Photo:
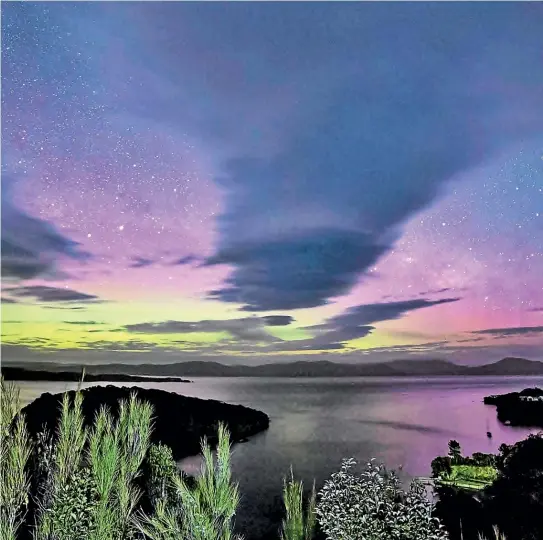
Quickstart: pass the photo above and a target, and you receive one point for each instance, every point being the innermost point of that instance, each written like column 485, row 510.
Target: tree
column 484, row 460
column 441, row 466
column 515, row 499
column 455, row 451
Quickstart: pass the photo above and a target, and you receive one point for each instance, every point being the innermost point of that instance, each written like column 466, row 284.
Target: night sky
column 262, row 182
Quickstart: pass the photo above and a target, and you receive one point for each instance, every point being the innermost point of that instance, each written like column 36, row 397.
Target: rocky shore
column 179, row 421
column 523, row 408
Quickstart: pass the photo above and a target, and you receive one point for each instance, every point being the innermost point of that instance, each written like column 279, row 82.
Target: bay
column 316, row 422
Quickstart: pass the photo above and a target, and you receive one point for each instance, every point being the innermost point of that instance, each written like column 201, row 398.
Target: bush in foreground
column 373, row 506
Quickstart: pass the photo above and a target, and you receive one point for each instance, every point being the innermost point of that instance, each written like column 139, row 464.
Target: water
column 315, row 423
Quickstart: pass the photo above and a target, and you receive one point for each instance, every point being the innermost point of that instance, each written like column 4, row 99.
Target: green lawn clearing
column 470, row 476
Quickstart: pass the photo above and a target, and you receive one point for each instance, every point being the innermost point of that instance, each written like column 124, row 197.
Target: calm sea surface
column 317, row 422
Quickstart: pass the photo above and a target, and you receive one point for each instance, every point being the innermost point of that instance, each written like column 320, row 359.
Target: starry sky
column 268, row 182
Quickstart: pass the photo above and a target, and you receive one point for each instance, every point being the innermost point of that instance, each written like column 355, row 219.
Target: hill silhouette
column 322, row 368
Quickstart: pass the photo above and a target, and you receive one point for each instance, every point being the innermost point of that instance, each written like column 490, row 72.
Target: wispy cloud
column 141, row 262
column 514, row 331
column 357, row 322
column 31, row 247
column 42, row 293
column 84, row 323
column 187, row 260
column 245, row 329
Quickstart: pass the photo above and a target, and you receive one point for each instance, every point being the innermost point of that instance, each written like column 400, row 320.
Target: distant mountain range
column 397, row 368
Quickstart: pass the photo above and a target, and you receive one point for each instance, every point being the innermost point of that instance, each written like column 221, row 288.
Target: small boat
column 489, row 435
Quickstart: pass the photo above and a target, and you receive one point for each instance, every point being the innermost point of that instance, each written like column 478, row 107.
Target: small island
column 523, row 408
column 20, row 374
column 180, row 422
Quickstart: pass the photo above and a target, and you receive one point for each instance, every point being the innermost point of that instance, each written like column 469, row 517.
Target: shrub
column 73, row 510
column 372, row 506
column 160, row 472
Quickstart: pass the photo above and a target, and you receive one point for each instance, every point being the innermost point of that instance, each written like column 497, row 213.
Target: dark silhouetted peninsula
column 20, row 374
column 179, row 421
column 523, row 408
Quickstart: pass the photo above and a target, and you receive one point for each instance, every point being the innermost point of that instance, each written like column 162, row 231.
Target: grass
column 497, row 535
column 470, row 476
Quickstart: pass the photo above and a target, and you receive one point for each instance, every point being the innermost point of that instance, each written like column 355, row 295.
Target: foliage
column 485, row 460
column 372, row 506
column 43, row 463
column 297, row 525
column 133, row 432
column 441, row 466
column 71, row 437
column 73, row 510
column 207, row 510
column 515, row 499
column 15, row 451
column 85, row 478
column 10, row 405
column 455, row 451
column 161, row 470
column 504, row 450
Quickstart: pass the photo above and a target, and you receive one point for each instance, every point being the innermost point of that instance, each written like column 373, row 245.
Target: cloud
column 277, row 320
column 43, row 293
column 513, row 331
column 246, row 329
column 337, row 125
column 296, row 272
column 64, row 307
column 141, row 262
column 437, row 291
column 377, row 130
column 83, row 323
column 385, row 311
column 357, row 322
column 131, row 345
column 183, row 261
column 31, row 247
column 333, row 334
